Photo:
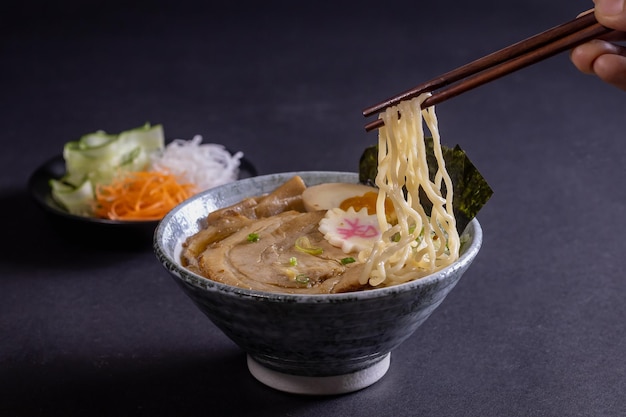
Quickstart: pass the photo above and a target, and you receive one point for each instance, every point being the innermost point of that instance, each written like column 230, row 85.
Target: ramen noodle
column 419, row 243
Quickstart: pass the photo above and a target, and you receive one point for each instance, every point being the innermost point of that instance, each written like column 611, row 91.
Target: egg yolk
column 368, row 201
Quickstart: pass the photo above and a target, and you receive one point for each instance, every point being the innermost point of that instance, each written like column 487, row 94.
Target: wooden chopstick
column 500, row 63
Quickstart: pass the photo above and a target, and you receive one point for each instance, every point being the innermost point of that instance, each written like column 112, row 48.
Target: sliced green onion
column 396, row 236
column 253, row 237
column 347, row 260
column 303, row 244
column 302, row 279
column 293, row 261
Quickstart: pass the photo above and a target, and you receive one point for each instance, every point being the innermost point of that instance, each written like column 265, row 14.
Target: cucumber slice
column 97, row 157
column 75, row 199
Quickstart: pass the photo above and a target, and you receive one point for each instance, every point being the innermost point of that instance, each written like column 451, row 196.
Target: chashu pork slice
column 272, row 263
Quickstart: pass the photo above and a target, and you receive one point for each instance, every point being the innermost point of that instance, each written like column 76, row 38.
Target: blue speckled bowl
column 310, row 344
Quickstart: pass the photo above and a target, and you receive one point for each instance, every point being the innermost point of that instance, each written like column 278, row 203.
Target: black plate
column 39, row 188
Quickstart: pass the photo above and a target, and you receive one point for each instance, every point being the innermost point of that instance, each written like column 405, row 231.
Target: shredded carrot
column 146, row 195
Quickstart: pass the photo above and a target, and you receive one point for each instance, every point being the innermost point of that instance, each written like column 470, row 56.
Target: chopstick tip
column 376, row 124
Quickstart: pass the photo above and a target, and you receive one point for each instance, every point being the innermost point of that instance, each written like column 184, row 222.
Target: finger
column 585, row 55
column 611, row 68
column 614, row 36
column 611, row 13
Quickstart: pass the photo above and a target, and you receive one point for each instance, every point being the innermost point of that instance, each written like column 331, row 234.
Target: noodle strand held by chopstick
column 418, row 244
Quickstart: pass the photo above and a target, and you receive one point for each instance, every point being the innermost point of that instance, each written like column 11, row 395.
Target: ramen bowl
column 306, row 344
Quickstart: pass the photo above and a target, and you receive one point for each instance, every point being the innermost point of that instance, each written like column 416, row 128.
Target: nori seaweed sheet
column 471, row 190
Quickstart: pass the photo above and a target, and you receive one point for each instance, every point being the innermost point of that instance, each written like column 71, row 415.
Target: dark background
column 91, row 324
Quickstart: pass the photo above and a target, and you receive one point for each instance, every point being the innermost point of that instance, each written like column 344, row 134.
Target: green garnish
column 396, row 236
column 293, row 261
column 253, row 237
column 303, row 244
column 347, row 260
column 302, row 279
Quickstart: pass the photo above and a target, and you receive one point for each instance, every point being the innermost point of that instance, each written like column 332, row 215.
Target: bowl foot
column 319, row 385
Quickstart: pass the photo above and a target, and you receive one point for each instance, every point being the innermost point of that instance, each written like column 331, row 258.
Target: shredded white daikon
column 204, row 165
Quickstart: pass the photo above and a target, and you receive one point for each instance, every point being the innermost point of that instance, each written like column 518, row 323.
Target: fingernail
column 609, row 7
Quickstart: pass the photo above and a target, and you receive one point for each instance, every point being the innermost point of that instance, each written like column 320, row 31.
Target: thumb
column 611, row 13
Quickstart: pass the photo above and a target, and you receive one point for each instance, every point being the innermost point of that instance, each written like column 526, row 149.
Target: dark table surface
column 91, row 323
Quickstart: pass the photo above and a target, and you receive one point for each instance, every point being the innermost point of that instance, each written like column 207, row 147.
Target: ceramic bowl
column 306, row 344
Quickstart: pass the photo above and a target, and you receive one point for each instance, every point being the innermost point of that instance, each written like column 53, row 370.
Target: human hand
column 603, row 57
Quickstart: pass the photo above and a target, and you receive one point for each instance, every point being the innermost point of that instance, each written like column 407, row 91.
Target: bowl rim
column 206, row 284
